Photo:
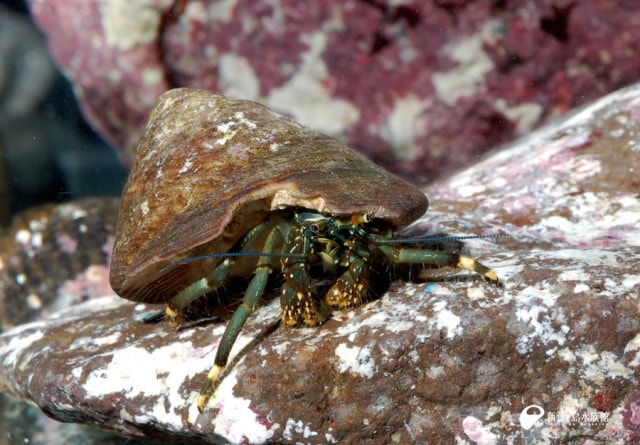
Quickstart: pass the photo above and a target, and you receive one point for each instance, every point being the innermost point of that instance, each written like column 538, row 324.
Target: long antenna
column 234, row 255
column 440, row 239
column 426, row 239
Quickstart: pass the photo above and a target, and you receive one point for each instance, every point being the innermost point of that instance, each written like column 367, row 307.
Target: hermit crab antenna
column 234, row 255
column 441, row 239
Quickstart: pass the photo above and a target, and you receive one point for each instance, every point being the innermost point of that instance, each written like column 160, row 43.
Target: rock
column 445, row 360
column 54, row 256
column 421, row 87
column 75, row 237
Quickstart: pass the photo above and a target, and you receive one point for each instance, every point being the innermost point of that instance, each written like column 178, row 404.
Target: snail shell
column 209, row 168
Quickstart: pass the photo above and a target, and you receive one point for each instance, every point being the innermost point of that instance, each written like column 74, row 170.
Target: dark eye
column 368, row 217
column 315, row 228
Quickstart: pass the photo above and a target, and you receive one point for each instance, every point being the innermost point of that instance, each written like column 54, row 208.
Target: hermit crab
column 247, row 191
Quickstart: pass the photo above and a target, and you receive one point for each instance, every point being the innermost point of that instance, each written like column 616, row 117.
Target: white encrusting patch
column 306, row 95
column 298, row 427
column 525, row 115
column 630, row 281
column 434, row 372
column 30, row 240
column 129, row 23
column 164, row 375
column 634, row 347
column 352, row 327
column 444, row 319
column 597, row 366
column 120, row 376
column 468, row 191
column 237, row 78
column 468, row 77
column 144, row 207
column 404, row 125
column 355, row 359
column 235, row 420
column 229, row 129
column 157, row 376
column 475, row 293
column 477, row 432
column 542, row 327
column 18, row 343
column 582, row 287
column 188, row 163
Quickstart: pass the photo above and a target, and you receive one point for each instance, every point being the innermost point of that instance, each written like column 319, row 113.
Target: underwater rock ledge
column 434, row 361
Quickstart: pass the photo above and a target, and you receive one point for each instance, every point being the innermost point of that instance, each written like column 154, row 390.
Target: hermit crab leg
column 173, row 311
column 351, row 288
column 403, row 255
column 252, row 295
column 296, row 300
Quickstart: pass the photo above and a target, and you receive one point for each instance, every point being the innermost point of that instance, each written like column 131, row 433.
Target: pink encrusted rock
column 438, row 362
column 54, row 256
column 421, row 87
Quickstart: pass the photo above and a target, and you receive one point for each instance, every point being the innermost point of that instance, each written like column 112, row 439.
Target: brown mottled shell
column 208, row 168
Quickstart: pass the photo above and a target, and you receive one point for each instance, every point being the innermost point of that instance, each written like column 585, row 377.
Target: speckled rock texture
column 422, row 87
column 54, row 256
column 438, row 361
